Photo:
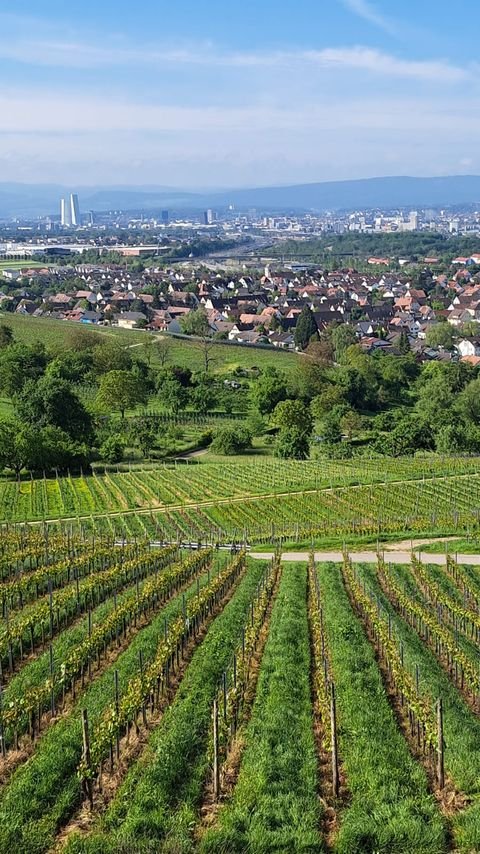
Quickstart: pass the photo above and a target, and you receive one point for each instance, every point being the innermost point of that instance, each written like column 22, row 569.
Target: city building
column 74, row 209
column 65, row 212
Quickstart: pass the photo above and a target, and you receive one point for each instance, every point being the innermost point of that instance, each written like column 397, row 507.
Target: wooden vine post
column 216, row 763
column 333, row 728
column 440, row 747
column 87, row 757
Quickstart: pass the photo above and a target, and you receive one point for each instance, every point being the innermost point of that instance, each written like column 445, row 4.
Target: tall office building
column 165, row 217
column 74, row 209
column 70, row 211
column 65, row 212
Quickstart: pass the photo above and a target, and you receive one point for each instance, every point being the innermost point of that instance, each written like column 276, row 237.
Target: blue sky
column 214, row 94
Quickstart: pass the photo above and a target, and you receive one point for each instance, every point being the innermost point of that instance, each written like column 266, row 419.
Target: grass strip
column 275, row 806
column 391, row 809
column 461, row 726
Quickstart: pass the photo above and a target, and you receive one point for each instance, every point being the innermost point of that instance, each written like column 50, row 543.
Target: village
column 435, row 315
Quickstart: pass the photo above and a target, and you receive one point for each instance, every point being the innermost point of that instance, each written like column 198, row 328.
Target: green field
column 25, row 264
column 225, row 357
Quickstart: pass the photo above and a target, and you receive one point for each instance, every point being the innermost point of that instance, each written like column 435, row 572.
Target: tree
column 195, row 323
column 52, row 402
column 306, row 328
column 202, row 394
column 468, row 401
column 119, row 391
column 351, row 423
column 404, row 344
column 173, row 394
column 440, row 335
column 331, row 396
column 331, row 427
column 163, row 348
column 269, row 389
column 343, row 337
column 292, row 413
column 207, row 349
column 470, row 329
column 73, row 365
column 20, row 363
column 292, row 443
column 145, row 436
column 231, row 440
column 110, row 356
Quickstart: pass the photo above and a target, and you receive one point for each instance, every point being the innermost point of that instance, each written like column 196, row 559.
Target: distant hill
column 41, row 199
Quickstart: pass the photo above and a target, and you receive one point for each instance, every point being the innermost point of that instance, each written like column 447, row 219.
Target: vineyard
column 257, row 502
column 158, row 698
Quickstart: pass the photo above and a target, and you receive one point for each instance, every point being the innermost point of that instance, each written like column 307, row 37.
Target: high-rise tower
column 74, row 209
column 65, row 212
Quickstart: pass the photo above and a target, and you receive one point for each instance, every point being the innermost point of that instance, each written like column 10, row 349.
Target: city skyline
column 275, row 94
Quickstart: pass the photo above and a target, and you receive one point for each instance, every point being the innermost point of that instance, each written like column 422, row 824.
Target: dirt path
column 394, row 553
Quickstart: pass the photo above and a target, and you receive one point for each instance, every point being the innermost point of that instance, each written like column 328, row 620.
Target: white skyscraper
column 70, row 211
column 74, row 209
column 65, row 212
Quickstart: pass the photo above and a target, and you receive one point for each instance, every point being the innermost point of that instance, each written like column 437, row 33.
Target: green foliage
column 145, row 435
column 390, row 808
column 202, row 394
column 275, row 806
column 342, row 337
column 331, row 396
column 306, row 328
column 268, row 390
column 292, row 443
column 232, row 440
column 157, row 802
column 6, row 336
column 119, row 391
column 49, row 401
column 292, row 413
column 111, row 450
column 20, row 363
column 256, row 425
column 441, row 335
column 111, row 356
column 195, row 323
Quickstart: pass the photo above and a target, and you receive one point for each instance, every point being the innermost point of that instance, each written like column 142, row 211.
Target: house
column 469, row 347
column 131, row 319
column 282, row 340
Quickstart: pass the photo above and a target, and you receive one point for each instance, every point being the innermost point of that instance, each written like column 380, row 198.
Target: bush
column 232, row 440
column 111, row 451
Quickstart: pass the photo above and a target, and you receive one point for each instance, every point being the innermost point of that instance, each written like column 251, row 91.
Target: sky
column 203, row 94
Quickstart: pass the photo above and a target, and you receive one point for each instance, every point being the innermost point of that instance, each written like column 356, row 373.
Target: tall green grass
column 275, row 806
column 390, row 809
column 461, row 726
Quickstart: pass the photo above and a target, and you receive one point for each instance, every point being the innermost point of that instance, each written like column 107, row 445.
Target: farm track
column 192, row 505
column 371, row 556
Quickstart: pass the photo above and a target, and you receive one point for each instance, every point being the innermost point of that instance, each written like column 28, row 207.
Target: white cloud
column 70, row 54
column 384, row 64
column 367, row 11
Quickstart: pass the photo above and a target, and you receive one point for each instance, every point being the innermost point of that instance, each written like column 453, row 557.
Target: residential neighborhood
column 388, row 310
